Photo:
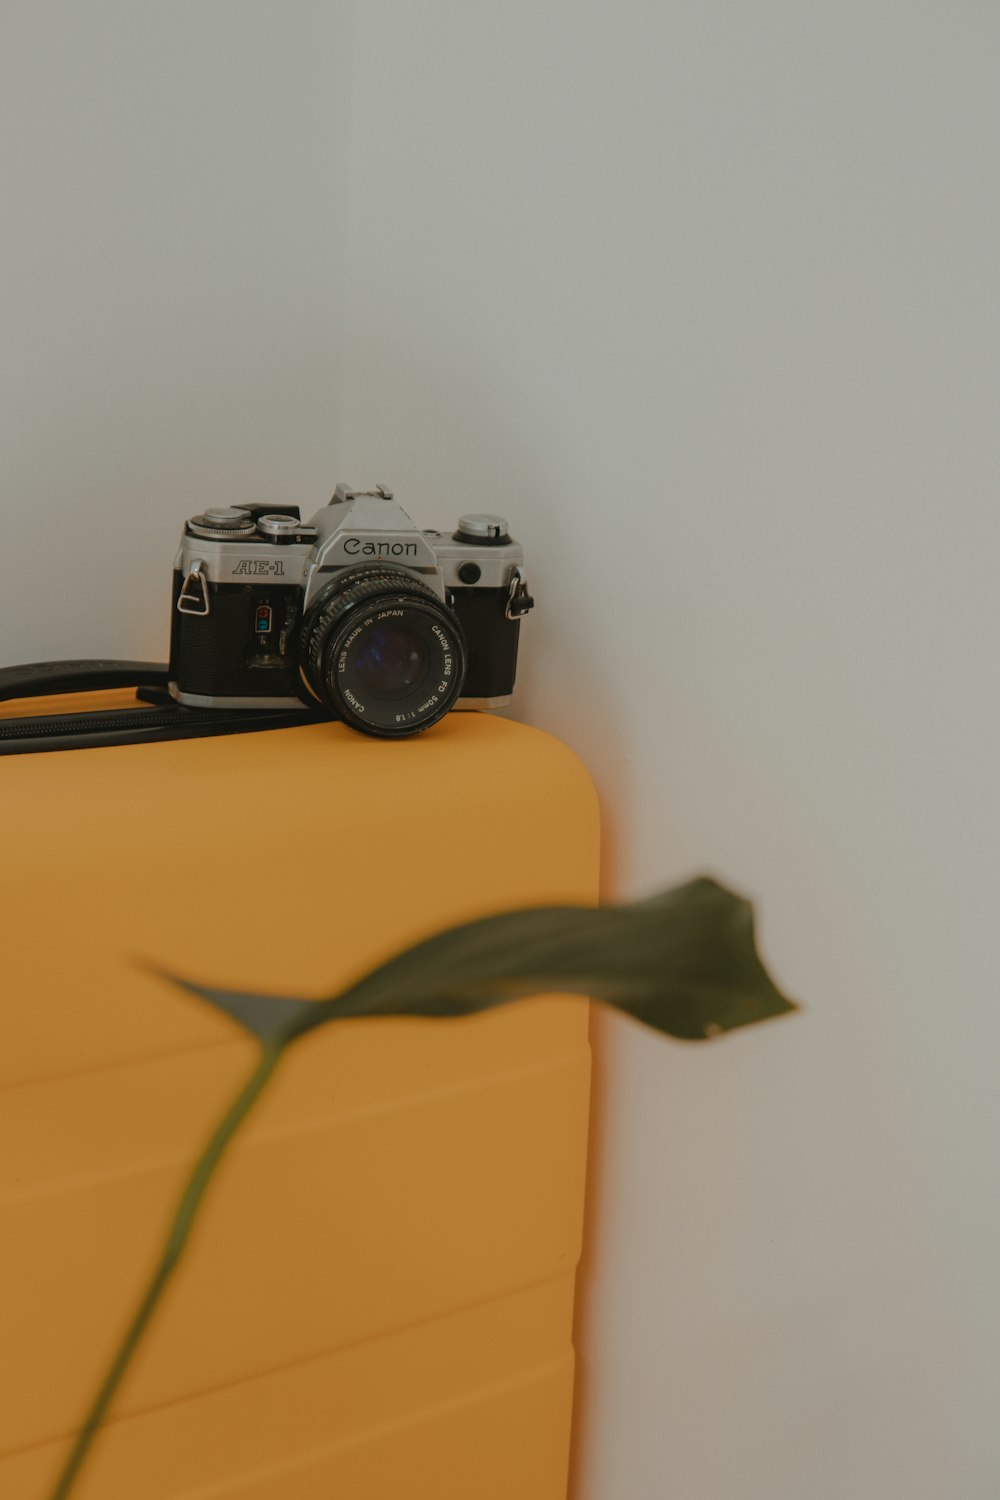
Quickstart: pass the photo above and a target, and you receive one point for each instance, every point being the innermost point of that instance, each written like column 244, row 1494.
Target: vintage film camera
column 357, row 612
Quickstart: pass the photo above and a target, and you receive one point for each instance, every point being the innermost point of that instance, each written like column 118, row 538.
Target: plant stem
column 177, row 1237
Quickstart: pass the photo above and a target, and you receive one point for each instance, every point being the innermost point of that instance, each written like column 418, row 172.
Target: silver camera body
column 357, row 611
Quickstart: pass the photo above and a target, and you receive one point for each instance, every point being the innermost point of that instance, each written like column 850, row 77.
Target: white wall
column 703, row 297
column 171, row 196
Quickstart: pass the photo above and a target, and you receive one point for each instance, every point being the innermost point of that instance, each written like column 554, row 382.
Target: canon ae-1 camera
column 356, row 611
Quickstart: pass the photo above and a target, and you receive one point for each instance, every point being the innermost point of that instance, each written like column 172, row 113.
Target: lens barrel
column 381, row 649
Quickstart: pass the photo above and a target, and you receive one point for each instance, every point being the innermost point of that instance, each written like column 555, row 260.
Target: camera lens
column 381, row 649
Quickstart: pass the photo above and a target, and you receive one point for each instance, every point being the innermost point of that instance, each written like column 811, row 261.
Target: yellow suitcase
column 377, row 1302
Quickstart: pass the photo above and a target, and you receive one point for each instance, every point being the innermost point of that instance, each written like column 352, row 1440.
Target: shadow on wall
column 451, row 437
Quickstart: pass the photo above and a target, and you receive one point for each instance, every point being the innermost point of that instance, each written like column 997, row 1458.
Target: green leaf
column 684, row 963
column 273, row 1019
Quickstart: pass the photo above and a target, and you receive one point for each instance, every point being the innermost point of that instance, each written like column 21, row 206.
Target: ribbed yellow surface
column 378, row 1300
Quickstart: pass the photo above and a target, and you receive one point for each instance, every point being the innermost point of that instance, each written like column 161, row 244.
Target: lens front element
column 392, row 662
column 383, row 650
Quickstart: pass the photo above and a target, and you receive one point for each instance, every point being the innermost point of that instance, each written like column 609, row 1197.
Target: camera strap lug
column 519, row 601
column 193, row 597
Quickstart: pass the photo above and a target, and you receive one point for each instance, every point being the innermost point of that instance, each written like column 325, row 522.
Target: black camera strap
column 154, row 716
column 39, row 679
